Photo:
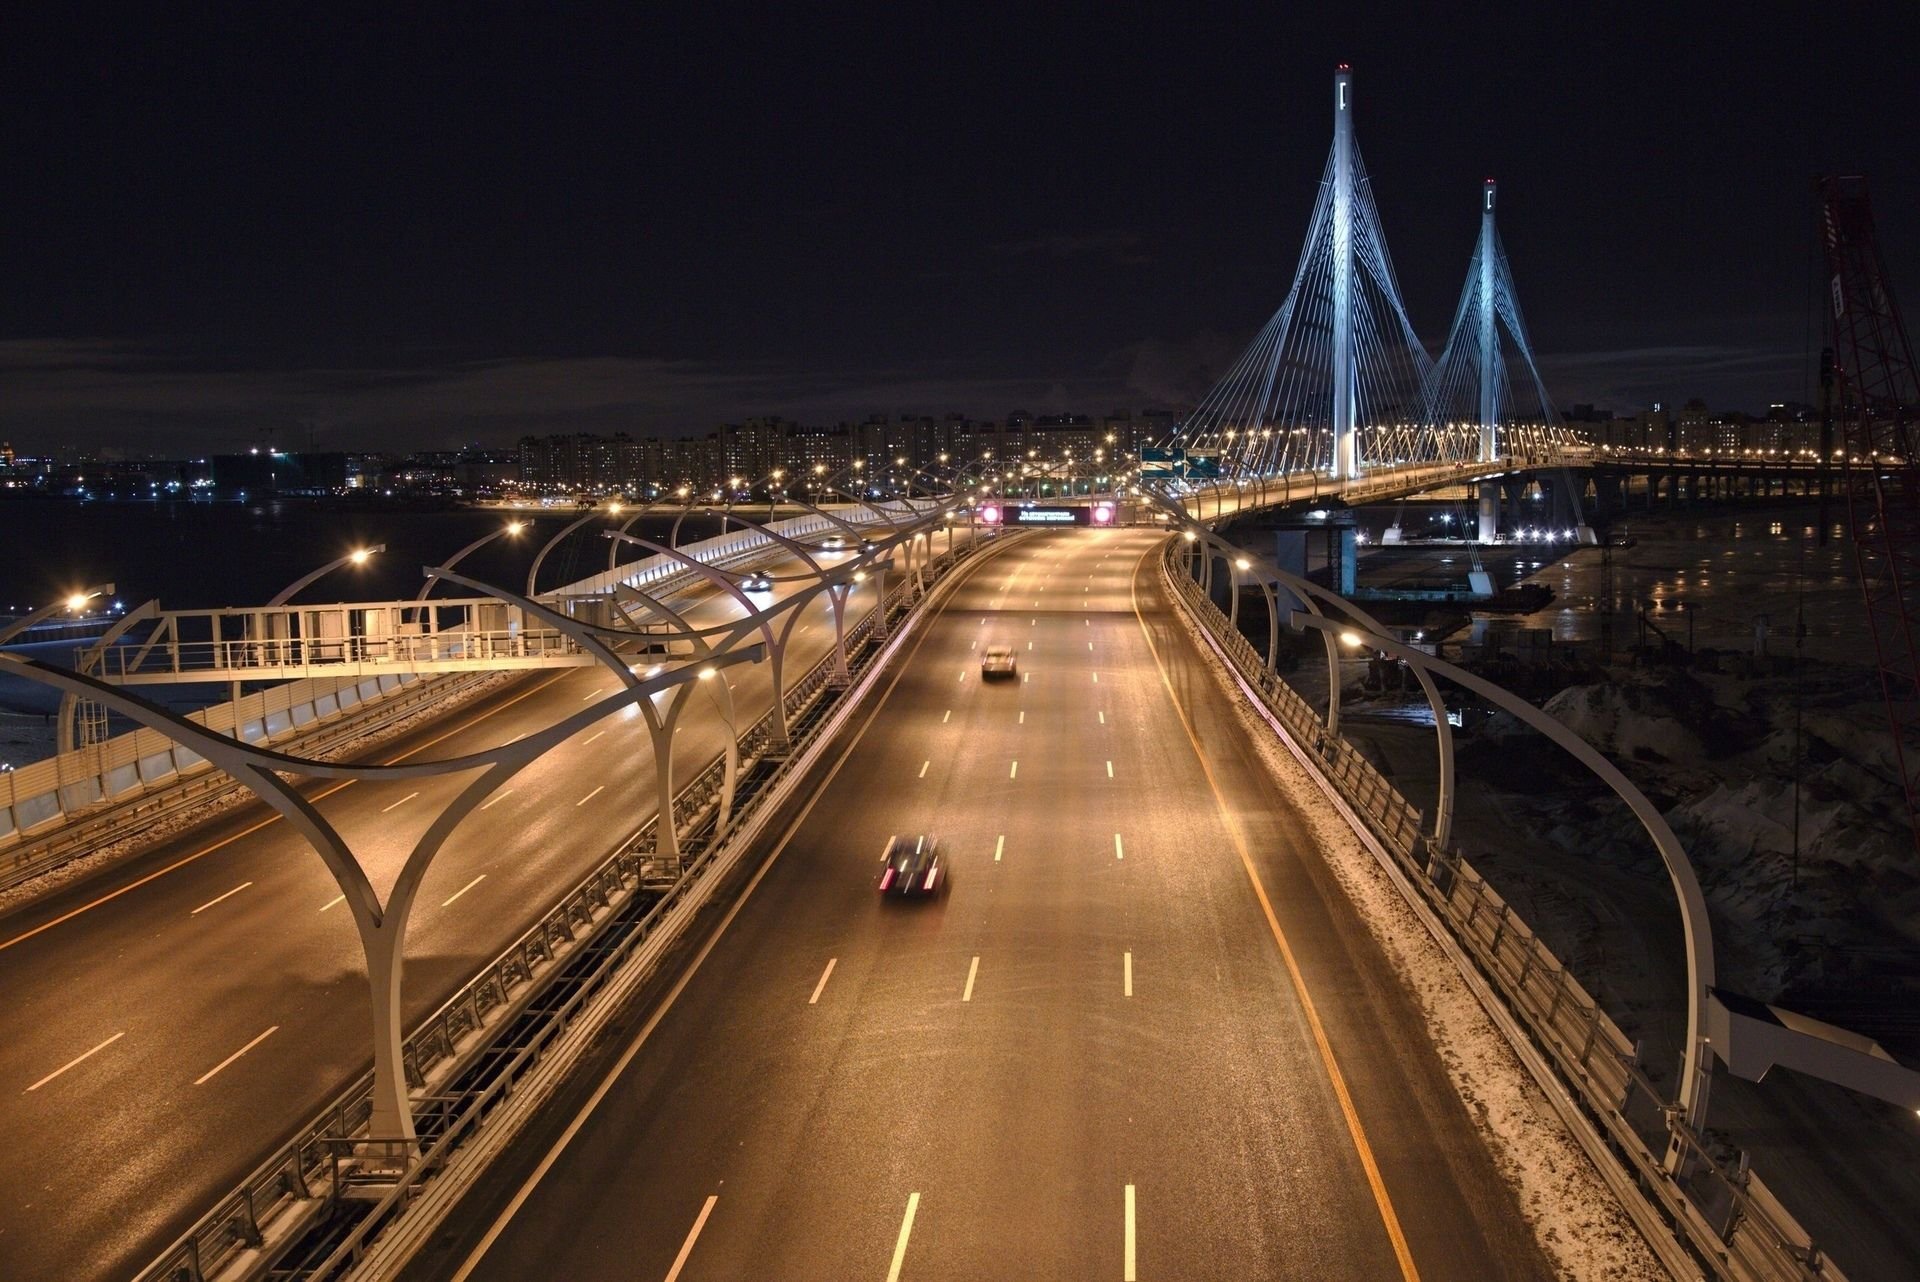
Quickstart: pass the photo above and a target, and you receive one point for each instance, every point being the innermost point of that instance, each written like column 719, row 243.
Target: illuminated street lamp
column 359, row 556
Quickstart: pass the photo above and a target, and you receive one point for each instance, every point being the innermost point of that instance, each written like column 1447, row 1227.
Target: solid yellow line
column 1354, row 1129
column 270, row 819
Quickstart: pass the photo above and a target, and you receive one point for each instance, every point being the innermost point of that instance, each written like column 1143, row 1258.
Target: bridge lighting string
column 1523, row 416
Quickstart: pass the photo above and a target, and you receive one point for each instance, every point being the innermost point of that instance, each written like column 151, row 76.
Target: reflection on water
column 1732, row 573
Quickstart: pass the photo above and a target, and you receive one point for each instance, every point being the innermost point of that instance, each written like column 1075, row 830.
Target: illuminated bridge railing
column 472, row 1051
column 1725, row 1215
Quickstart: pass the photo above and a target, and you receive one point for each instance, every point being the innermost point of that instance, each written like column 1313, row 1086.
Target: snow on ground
column 1575, row 1218
column 1720, row 754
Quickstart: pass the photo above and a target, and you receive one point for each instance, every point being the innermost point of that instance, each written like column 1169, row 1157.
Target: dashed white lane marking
column 463, row 890
column 217, row 898
column 207, row 1076
column 1033, row 623
column 966, row 994
column 963, row 674
column 590, row 796
column 594, row 695
column 947, row 718
column 999, row 846
column 1013, row 771
column 1089, row 646
column 1109, row 770
column 906, row 1231
column 1126, row 973
column 824, row 975
column 598, row 733
column 1119, row 851
column 1023, row 717
column 1129, row 1274
column 498, row 797
column 77, row 1059
column 403, row 801
column 337, row 899
column 693, row 1235
column 973, row 645
column 1026, row 677
column 1029, row 645
column 1103, row 718
column 923, row 768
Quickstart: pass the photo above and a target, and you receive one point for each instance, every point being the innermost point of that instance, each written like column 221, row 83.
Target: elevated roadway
column 168, row 1022
column 1143, row 1034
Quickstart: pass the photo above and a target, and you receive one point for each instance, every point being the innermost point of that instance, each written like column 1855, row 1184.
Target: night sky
column 392, row 229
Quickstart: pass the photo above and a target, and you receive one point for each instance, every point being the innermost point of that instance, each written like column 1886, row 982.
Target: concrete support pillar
column 1346, row 560
column 1489, row 511
column 1290, row 554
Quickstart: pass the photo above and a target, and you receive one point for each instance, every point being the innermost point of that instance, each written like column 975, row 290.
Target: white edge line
column 966, row 995
column 206, row 1076
column 822, row 985
column 211, row 902
column 693, row 1235
column 403, row 801
column 337, row 899
column 84, row 1055
column 463, row 890
column 906, row 1231
column 498, row 797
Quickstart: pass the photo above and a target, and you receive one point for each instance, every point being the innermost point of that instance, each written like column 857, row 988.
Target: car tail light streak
column 887, row 880
column 932, row 874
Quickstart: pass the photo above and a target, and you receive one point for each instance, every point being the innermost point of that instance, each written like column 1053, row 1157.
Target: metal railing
column 303, row 1178
column 1724, row 1215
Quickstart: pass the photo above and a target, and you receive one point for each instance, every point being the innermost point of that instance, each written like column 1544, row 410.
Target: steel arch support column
column 1696, row 926
column 837, row 600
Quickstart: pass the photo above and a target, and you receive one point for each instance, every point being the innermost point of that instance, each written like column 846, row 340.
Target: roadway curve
column 128, row 994
column 1092, row 1058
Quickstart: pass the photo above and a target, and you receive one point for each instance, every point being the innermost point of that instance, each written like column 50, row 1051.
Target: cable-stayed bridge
column 1143, row 1032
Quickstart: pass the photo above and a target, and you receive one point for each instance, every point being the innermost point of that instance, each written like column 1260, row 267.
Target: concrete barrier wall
column 44, row 794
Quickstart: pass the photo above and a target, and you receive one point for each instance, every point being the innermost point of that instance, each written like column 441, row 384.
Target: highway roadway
column 168, row 1023
column 1142, row 1035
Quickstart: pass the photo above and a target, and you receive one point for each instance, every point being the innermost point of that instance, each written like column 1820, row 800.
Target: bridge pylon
column 1335, row 381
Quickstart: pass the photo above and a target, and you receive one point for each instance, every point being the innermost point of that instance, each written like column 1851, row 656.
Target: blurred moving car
column 998, row 661
column 758, row 581
column 834, row 543
column 910, row 868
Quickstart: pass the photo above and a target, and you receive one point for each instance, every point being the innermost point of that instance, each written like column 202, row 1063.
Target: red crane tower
column 1878, row 393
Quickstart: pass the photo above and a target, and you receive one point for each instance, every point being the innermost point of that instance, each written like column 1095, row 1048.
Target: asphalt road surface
column 1141, row 1035
column 168, row 1023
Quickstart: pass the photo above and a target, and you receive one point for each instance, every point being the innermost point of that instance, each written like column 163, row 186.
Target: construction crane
column 1878, row 398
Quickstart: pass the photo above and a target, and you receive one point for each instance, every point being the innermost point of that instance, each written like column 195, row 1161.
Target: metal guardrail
column 270, row 658
column 1725, row 1215
column 248, row 1228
